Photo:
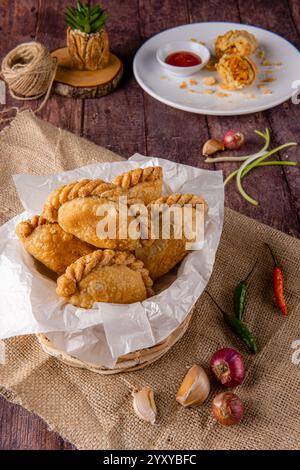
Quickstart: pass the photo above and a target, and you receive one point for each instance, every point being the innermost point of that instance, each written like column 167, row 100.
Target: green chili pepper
column 242, row 331
column 239, row 328
column 239, row 297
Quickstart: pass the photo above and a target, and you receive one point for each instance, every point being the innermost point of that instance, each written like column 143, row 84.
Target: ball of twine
column 29, row 71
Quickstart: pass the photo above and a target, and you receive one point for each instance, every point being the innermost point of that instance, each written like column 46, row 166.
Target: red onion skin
column 228, row 367
column 228, row 408
column 233, row 140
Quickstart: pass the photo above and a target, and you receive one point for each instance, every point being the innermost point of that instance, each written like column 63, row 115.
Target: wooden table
column 130, row 121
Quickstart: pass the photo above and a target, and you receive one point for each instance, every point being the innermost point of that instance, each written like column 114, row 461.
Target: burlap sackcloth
column 95, row 412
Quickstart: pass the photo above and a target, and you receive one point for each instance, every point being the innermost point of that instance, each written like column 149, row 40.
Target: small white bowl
column 176, row 46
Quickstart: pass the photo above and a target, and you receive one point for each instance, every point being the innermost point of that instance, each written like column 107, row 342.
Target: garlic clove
column 195, row 387
column 144, row 404
column 212, row 146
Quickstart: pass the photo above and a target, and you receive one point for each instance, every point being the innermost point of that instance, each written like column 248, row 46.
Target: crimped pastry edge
column 81, row 188
column 139, row 175
column 25, row 228
column 67, row 283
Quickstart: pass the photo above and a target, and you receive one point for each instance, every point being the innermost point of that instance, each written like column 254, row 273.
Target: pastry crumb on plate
column 221, row 94
column 209, row 81
column 268, row 80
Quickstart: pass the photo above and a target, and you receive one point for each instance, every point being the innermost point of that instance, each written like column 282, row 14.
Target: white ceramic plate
column 279, row 52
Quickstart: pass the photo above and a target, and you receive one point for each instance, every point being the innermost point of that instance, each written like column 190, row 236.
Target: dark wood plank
column 283, row 120
column 51, row 31
column 294, row 6
column 213, row 10
column 18, row 21
column 20, row 429
column 116, row 121
column 21, row 21
column 129, row 121
column 171, row 133
column 272, row 15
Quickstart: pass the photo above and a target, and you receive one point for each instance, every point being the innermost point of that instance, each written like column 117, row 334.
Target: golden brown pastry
column 105, row 276
column 212, row 64
column 235, row 42
column 79, row 217
column 142, row 183
column 236, row 71
column 50, row 244
column 75, row 206
column 161, row 255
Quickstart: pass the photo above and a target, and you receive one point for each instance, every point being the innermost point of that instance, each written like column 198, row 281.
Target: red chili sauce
column 183, row 59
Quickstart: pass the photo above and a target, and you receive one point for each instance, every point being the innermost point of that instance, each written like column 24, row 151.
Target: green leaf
column 97, row 26
column 100, row 20
column 68, row 17
column 79, row 6
column 72, row 26
column 85, row 18
column 96, row 9
column 94, row 17
column 73, row 13
column 71, row 22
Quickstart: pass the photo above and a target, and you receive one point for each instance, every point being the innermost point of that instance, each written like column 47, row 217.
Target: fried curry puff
column 50, row 244
column 105, row 276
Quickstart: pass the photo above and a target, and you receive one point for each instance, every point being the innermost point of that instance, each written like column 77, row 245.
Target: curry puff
column 77, row 208
column 161, row 255
column 78, row 189
column 72, row 236
column 105, row 276
column 50, row 244
column 236, row 71
column 142, row 183
column 236, row 42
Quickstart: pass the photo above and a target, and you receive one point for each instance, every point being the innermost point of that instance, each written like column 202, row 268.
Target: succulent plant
column 85, row 18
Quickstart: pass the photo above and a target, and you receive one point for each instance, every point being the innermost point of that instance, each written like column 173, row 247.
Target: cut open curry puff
column 162, row 254
column 236, row 71
column 50, row 244
column 105, row 276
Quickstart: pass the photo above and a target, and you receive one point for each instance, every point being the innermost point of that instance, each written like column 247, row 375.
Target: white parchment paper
column 101, row 334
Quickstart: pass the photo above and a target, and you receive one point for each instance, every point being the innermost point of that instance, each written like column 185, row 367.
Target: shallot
column 227, row 366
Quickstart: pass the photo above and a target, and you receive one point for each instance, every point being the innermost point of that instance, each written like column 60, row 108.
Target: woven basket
column 127, row 363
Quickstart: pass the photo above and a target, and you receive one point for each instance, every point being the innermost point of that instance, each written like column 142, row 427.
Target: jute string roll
column 29, row 71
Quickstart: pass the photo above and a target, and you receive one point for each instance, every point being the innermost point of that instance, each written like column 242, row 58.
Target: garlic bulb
column 212, row 146
column 195, row 387
column 144, row 404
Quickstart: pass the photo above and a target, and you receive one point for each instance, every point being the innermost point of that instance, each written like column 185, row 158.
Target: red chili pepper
column 278, row 285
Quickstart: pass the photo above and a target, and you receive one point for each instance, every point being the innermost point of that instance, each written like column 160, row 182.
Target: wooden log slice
column 85, row 83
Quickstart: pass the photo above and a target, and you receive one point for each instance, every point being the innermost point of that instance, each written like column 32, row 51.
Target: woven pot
column 88, row 51
column 127, row 363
